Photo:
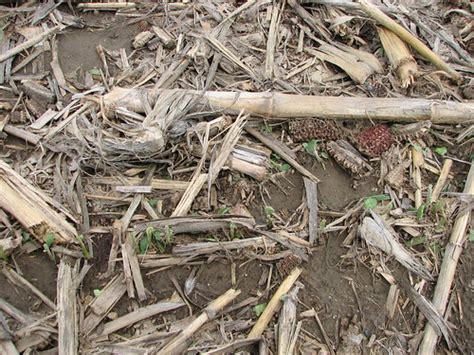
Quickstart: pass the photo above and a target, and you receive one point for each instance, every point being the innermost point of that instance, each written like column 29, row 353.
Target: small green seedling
column 211, row 238
column 156, row 237
column 153, row 202
column 420, row 212
column 313, row 148
column 234, row 232
column 269, row 211
column 223, row 210
column 49, row 241
column 441, row 150
column 438, row 210
column 322, row 224
column 436, row 248
column 421, row 239
column 25, row 236
column 269, row 214
column 97, row 292
column 144, row 244
column 372, row 201
column 266, row 128
column 275, row 162
column 3, row 254
column 259, row 308
column 84, row 248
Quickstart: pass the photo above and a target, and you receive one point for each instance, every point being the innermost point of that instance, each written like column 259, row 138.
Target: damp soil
column 77, row 48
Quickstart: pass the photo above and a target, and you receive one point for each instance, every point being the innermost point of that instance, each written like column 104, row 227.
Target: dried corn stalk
column 399, row 56
column 287, row 328
column 359, row 65
column 31, row 207
column 278, row 105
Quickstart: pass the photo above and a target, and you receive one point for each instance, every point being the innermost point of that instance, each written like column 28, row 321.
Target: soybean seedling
column 275, row 162
column 84, row 248
column 269, row 215
column 259, row 308
column 48, row 243
column 223, row 210
column 156, row 237
column 233, row 231
column 372, row 201
column 313, row 148
column 3, row 254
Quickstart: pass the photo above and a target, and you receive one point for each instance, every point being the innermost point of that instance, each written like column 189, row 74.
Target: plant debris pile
column 217, row 177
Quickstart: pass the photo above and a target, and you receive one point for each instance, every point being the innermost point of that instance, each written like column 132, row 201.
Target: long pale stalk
column 401, row 32
column 277, row 105
column 448, row 267
column 399, row 56
column 272, row 306
column 178, row 344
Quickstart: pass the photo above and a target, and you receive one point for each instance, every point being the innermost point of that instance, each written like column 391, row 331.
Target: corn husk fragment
column 379, row 234
column 32, row 208
column 399, row 56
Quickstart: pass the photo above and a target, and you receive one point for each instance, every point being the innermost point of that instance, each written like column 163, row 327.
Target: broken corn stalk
column 399, row 56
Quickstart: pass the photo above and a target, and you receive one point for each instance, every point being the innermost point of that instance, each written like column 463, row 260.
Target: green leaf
column 266, row 128
column 471, row 235
column 211, row 238
column 84, row 249
column 381, row 197
column 144, row 245
column 370, row 203
column 223, row 210
column 157, row 235
column 169, row 233
column 284, row 167
column 25, row 236
column 153, row 202
column 441, row 150
column 94, row 72
column 436, row 248
column 49, row 240
column 149, row 232
column 269, row 210
column 259, row 308
column 416, row 241
column 311, row 146
column 420, row 212
column 322, row 224
column 418, row 147
column 3, row 254
column 97, row 292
